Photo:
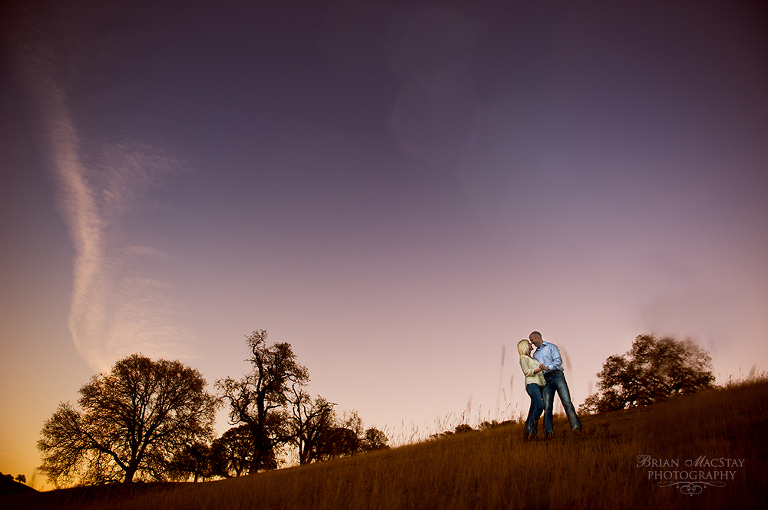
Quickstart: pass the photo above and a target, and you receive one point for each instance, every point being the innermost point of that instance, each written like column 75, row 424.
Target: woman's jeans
column 537, row 407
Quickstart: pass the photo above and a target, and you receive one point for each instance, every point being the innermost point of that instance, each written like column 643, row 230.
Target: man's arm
column 554, row 362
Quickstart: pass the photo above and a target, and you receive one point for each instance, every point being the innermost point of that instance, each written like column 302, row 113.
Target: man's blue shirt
column 549, row 356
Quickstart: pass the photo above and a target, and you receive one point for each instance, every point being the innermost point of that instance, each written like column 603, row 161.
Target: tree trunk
column 129, row 475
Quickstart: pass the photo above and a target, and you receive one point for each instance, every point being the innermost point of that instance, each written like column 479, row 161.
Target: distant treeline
column 151, row 420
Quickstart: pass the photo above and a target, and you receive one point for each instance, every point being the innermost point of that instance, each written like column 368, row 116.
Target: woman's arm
column 528, row 368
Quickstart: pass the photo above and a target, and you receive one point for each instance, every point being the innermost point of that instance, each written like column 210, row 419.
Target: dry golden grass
column 494, row 468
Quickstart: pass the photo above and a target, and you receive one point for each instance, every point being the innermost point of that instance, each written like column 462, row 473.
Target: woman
column 534, row 382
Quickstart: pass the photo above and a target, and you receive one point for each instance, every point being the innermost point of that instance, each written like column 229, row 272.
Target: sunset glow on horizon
column 400, row 190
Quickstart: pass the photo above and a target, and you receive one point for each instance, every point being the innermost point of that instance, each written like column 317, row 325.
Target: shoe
column 526, row 436
column 548, row 437
column 576, row 432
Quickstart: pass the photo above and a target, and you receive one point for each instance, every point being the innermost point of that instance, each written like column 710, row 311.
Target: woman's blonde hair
column 523, row 347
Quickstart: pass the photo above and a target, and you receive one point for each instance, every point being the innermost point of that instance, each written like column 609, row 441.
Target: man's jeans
column 556, row 383
column 537, row 406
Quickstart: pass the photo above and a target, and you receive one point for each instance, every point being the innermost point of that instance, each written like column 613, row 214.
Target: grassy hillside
column 608, row 467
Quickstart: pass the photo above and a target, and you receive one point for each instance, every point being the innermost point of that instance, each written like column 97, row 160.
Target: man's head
column 536, row 339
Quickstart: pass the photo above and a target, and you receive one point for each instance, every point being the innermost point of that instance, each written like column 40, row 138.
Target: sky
column 400, row 190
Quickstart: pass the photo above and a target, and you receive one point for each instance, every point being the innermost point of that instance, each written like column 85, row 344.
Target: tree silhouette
column 337, row 442
column 307, row 419
column 134, row 419
column 653, row 371
column 194, row 460
column 258, row 399
column 232, row 453
column 374, row 439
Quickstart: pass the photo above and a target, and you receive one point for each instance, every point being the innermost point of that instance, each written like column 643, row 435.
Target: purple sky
column 398, row 189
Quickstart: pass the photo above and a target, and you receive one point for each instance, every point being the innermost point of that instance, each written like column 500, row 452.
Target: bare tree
column 134, row 419
column 307, row 419
column 654, row 370
column 258, row 399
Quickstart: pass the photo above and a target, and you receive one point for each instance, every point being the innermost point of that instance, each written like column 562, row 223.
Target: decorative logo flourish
column 690, row 488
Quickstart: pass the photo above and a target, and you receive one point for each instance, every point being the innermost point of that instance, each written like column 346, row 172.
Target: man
column 548, row 355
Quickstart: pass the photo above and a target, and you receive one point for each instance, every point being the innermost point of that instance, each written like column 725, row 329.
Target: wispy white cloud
column 125, row 309
column 116, row 309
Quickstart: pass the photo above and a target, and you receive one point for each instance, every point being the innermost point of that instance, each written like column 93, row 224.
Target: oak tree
column 374, row 439
column 307, row 420
column 258, row 400
column 193, row 461
column 232, row 453
column 132, row 421
column 654, row 370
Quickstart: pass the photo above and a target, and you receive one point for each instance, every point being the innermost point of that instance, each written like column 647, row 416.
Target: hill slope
column 10, row 486
column 703, row 451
